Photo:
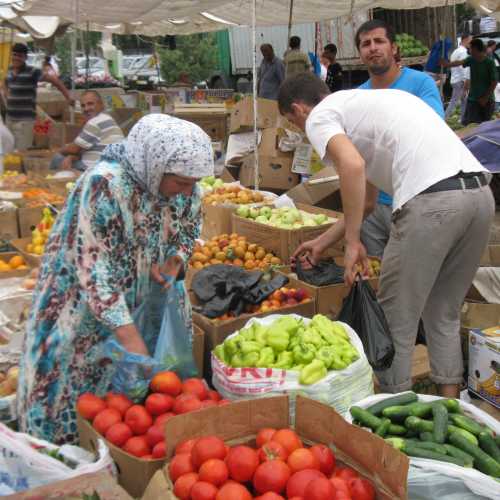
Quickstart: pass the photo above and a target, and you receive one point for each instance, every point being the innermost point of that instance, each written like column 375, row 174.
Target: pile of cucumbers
column 436, row 430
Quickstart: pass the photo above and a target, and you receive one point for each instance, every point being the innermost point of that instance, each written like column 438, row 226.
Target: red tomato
column 288, row 439
column 233, row 491
column 345, row 473
column 270, row 495
column 207, row 403
column 325, row 457
column 296, row 486
column 155, row 434
column 271, row 476
column 207, row 447
column 161, row 419
column 179, row 465
column 202, row 490
column 119, row 402
column 167, row 383
column 119, row 434
column 342, row 496
column 361, row 489
column 214, row 471
column 88, row 405
column 319, row 489
column 340, row 486
column 272, row 451
column 242, row 462
column 183, row 485
column 263, row 436
column 137, row 446
column 158, row 403
column 138, row 419
column 185, row 446
column 195, row 386
column 105, row 419
column 184, row 403
column 214, row 396
column 159, row 450
column 301, row 459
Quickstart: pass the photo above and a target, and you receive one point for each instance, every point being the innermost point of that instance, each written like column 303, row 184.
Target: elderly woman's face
column 172, row 185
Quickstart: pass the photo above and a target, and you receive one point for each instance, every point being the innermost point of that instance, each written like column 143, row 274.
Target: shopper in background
column 378, row 50
column 295, row 60
column 334, row 71
column 271, row 73
column 99, row 131
column 442, row 211
column 20, row 88
column 439, row 53
column 460, row 78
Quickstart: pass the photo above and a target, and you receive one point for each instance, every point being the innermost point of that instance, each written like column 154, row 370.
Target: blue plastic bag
column 162, row 323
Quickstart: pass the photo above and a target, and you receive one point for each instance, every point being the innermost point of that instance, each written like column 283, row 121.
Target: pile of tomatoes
column 279, row 467
column 140, row 429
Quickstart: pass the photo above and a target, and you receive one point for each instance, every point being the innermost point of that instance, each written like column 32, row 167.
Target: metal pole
column 290, row 22
column 254, row 85
column 73, row 57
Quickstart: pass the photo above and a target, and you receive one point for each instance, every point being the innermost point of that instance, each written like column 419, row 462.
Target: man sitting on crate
column 441, row 214
column 100, row 130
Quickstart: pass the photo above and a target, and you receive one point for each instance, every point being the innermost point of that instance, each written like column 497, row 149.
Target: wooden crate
column 15, row 273
column 20, row 245
column 8, row 225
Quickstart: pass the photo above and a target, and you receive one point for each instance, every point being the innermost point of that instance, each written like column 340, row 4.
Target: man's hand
column 308, row 253
column 466, row 86
column 71, row 102
column 67, row 163
column 355, row 253
column 483, row 101
column 171, row 267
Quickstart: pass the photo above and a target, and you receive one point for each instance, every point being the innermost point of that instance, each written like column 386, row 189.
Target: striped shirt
column 96, row 134
column 21, row 95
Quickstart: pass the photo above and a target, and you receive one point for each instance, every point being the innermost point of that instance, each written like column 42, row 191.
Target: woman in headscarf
column 136, row 210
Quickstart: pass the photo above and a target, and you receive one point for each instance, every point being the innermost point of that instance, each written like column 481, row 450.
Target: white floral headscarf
column 161, row 144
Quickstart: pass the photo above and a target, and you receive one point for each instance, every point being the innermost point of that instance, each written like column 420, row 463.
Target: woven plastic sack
column 445, row 476
column 339, row 389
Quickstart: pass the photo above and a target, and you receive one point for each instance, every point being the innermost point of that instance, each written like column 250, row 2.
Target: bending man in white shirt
column 442, row 210
column 460, row 78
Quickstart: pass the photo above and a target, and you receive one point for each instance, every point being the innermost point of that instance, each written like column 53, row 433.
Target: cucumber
column 397, row 413
column 419, row 424
column 453, row 451
column 414, row 451
column 497, row 440
column 383, row 428
column 427, row 445
column 420, row 409
column 440, row 414
column 487, row 444
column 426, row 436
column 452, row 405
column 398, row 430
column 366, row 418
column 467, row 423
column 482, row 461
column 401, row 399
column 466, row 434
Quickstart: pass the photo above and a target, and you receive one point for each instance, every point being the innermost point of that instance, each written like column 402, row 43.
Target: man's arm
column 58, row 85
column 71, row 149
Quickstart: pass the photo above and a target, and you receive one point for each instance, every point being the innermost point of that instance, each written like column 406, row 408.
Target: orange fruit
column 275, row 261
column 239, row 252
column 249, row 256
column 198, row 265
column 252, row 247
column 249, row 264
column 16, row 261
column 260, row 254
column 207, row 251
column 238, row 262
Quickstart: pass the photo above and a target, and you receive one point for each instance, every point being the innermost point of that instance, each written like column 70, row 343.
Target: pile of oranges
column 231, row 193
column 14, row 263
column 235, row 250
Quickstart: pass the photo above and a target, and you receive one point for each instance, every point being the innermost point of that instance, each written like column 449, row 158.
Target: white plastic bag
column 339, row 389
column 22, row 467
column 475, row 481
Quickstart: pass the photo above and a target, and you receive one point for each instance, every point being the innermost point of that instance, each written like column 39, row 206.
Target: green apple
column 243, row 211
column 262, row 219
column 253, row 213
column 320, row 219
column 266, row 212
column 218, row 183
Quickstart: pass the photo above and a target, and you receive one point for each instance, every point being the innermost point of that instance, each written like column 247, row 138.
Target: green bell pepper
column 220, row 353
column 338, row 363
column 311, row 336
column 313, row 372
column 277, row 338
column 250, row 346
column 327, row 355
column 231, row 346
column 303, row 353
column 289, row 324
column 297, row 368
column 237, row 360
column 250, row 359
column 266, row 358
column 260, row 334
column 284, row 360
column 247, row 334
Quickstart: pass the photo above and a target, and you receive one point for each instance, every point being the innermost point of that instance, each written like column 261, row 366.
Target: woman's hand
column 355, row 253
column 130, row 338
column 171, row 267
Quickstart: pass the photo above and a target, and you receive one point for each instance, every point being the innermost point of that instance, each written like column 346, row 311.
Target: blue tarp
column 484, row 143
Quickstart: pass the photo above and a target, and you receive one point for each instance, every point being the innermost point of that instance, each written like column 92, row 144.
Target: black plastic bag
column 326, row 272
column 263, row 289
column 363, row 313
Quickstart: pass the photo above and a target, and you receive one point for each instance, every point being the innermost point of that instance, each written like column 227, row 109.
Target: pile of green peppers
column 289, row 344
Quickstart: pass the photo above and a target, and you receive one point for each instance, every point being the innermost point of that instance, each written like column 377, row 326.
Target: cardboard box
column 491, row 256
column 226, row 175
column 37, row 161
column 216, row 220
column 29, row 217
column 8, row 225
column 134, row 474
column 63, row 133
column 153, row 102
column 315, row 422
column 282, row 242
column 275, row 172
column 15, row 273
column 214, row 124
column 484, row 364
column 242, row 114
column 101, row 485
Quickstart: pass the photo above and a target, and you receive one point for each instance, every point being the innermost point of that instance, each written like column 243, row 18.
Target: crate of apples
column 13, row 263
column 277, row 465
column 232, row 249
column 233, row 194
column 138, row 429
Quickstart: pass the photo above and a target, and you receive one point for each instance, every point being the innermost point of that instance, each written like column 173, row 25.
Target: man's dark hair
column 373, row 25
column 304, row 87
column 477, row 44
column 295, row 42
column 491, row 43
column 331, row 47
column 20, row 48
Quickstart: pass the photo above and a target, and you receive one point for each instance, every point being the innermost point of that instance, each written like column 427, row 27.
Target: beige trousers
column 22, row 130
column 436, row 242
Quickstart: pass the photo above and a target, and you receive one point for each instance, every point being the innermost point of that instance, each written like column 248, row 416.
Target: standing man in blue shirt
column 377, row 48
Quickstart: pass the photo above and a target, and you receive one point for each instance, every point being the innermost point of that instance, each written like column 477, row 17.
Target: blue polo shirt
column 421, row 85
